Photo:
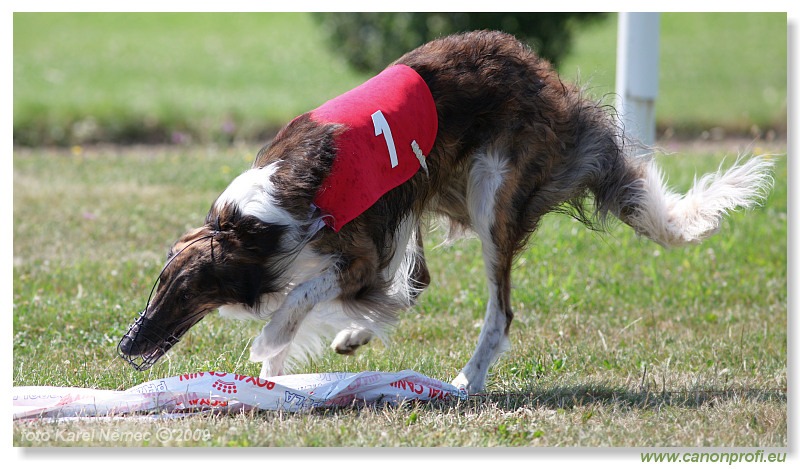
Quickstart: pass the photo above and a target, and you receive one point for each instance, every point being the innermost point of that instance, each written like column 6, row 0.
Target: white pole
column 637, row 74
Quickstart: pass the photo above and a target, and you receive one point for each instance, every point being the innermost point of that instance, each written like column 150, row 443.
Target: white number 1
column 382, row 128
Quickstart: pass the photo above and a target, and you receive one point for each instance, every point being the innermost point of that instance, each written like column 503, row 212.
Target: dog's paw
column 269, row 343
column 461, row 382
column 259, row 351
column 273, row 358
column 262, row 348
column 467, row 386
column 271, row 368
column 347, row 341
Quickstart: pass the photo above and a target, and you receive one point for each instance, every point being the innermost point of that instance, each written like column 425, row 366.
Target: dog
column 302, row 242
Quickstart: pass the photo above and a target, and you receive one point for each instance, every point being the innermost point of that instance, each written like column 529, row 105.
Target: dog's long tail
column 642, row 199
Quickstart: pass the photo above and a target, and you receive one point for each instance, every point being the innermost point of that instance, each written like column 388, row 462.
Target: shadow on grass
column 567, row 397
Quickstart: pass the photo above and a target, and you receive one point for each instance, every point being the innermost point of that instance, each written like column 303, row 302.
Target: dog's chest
column 390, row 126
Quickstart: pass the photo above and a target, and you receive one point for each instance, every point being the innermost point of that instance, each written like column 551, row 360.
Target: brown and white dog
column 513, row 143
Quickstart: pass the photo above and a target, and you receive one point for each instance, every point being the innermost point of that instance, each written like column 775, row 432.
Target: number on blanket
column 382, row 128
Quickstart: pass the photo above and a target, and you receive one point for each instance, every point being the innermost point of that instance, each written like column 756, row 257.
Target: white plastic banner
column 229, row 392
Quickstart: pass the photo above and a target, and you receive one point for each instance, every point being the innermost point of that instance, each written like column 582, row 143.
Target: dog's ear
column 258, row 237
column 238, row 231
column 248, row 260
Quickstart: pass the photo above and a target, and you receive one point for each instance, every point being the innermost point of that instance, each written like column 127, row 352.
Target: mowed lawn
column 167, row 77
column 616, row 341
column 721, row 71
column 81, row 78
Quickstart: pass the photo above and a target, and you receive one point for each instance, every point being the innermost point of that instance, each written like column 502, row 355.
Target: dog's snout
column 128, row 347
column 139, row 339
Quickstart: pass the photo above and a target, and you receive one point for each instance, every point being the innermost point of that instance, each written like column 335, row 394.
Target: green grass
column 167, row 77
column 625, row 344
column 81, row 78
column 716, row 70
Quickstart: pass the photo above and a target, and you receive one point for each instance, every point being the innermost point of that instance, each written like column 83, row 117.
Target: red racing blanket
column 390, row 127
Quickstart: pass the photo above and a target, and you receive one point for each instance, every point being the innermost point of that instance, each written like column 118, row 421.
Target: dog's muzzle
column 141, row 346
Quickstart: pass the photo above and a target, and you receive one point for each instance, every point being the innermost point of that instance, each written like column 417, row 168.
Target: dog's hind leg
column 411, row 277
column 485, row 198
column 493, row 339
column 348, row 340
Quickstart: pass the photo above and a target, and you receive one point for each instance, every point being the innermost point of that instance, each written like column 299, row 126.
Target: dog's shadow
column 576, row 396
column 572, row 396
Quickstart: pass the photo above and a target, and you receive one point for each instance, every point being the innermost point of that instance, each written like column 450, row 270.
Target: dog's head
column 235, row 258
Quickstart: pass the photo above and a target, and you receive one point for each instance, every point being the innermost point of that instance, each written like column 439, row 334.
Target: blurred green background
column 83, row 78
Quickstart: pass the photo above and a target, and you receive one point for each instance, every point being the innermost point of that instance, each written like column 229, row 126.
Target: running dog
column 321, row 238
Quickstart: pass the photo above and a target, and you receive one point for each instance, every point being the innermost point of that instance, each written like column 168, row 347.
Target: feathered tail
column 672, row 219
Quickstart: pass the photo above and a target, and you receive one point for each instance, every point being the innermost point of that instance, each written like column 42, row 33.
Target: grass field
column 81, row 78
column 173, row 78
column 725, row 71
column 626, row 344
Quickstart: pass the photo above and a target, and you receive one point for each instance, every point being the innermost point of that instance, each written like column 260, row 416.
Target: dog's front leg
column 272, row 346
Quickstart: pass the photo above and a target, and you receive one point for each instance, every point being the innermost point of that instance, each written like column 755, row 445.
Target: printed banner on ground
column 229, row 392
